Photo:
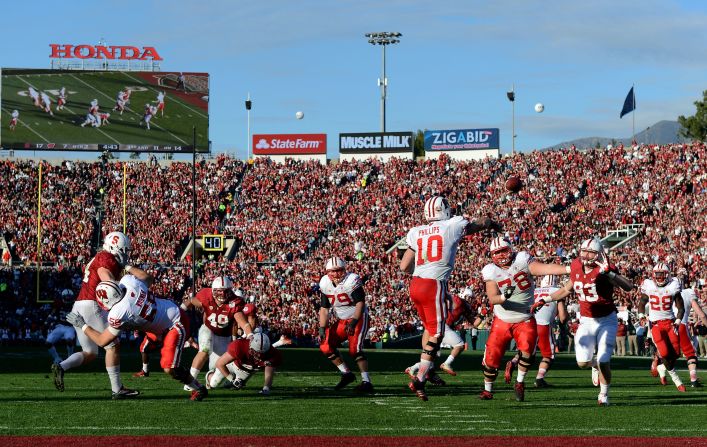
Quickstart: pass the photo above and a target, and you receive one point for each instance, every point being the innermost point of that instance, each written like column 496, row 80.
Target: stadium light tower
column 383, row 39
column 512, row 98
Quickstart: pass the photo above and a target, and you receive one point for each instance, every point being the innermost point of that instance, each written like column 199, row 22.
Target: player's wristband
column 128, row 268
column 677, row 321
column 83, row 328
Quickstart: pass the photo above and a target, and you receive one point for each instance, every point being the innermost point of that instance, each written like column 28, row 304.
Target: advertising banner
column 461, row 139
column 376, row 142
column 289, row 144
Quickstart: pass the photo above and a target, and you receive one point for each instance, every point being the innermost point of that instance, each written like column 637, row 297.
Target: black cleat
column 435, row 379
column 199, row 394
column 58, row 373
column 346, row 378
column 364, row 387
column 541, row 383
column 125, row 393
column 696, row 384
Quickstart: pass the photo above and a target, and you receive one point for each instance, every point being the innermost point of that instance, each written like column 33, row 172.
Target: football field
column 182, row 111
column 304, row 403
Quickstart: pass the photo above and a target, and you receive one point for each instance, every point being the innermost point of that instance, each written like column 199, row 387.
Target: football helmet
column 117, row 244
column 335, row 268
column 590, row 252
column 222, row 289
column 549, row 281
column 108, row 294
column 660, row 274
column 437, row 208
column 259, row 344
column 501, row 252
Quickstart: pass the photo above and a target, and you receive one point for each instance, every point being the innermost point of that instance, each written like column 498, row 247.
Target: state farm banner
column 388, row 142
column 289, row 144
column 461, row 139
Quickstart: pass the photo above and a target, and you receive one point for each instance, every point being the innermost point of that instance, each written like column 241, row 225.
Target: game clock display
column 212, row 242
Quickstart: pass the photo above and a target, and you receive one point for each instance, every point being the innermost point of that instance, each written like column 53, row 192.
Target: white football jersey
column 340, row 295
column 688, row 296
column 517, row 307
column 160, row 97
column 141, row 310
column 15, row 114
column 546, row 315
column 435, row 246
column 660, row 299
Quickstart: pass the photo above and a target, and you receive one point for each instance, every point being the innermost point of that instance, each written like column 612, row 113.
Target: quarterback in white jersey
column 160, row 103
column 47, row 103
column 510, row 287
column 132, row 307
column 662, row 292
column 430, row 259
column 34, row 94
column 13, row 121
column 691, row 302
column 343, row 315
column 120, row 102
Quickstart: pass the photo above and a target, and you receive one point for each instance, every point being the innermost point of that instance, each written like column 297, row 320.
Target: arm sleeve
column 324, row 300
column 358, row 295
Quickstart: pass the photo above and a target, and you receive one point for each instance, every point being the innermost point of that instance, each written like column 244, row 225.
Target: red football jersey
column 90, row 274
column 594, row 291
column 240, row 351
column 460, row 308
column 220, row 319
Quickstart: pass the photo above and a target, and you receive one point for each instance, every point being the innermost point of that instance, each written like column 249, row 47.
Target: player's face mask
column 589, row 258
column 335, row 275
column 502, row 257
column 222, row 296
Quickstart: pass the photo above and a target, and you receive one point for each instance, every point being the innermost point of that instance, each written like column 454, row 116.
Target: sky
column 451, row 70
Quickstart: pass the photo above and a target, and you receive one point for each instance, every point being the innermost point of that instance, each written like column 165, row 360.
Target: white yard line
column 128, row 109
column 74, row 113
column 31, row 130
column 174, row 99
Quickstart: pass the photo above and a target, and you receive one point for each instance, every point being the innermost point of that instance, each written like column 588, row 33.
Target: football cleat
column 681, row 388
column 435, row 379
column 364, row 387
column 486, row 395
column 125, row 393
column 663, row 381
column 188, row 388
column 418, row 388
column 519, row 389
column 508, row 373
column 696, row 384
column 448, row 369
column 142, row 373
column 603, row 400
column 409, row 373
column 199, row 394
column 346, row 378
column 264, row 392
column 541, row 383
column 58, row 373
column 595, row 376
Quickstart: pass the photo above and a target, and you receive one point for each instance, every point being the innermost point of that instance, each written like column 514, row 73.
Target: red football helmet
column 501, row 252
column 222, row 290
column 590, row 252
column 335, row 269
column 660, row 274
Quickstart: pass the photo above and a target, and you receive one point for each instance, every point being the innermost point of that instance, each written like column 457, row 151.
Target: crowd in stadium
column 287, row 218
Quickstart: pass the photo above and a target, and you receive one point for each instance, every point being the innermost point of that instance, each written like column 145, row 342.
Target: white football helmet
column 108, row 294
column 660, row 274
column 549, row 281
column 260, row 343
column 335, row 268
column 501, row 252
column 222, row 289
column 117, row 244
column 437, row 208
column 591, row 251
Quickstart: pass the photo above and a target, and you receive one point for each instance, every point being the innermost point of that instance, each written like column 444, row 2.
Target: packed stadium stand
column 289, row 217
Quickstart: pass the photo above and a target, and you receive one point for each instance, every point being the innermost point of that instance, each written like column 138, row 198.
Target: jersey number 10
column 433, row 251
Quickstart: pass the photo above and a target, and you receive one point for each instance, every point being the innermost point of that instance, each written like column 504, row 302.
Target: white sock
column 194, row 372
column 693, row 375
column 277, row 344
column 114, row 376
column 343, row 368
column 54, row 354
column 488, row 386
column 521, row 376
column 541, row 373
column 74, row 360
column 365, row 377
column 604, row 389
column 675, row 377
column 449, row 360
column 425, row 365
column 661, row 370
column 146, row 367
column 414, row 368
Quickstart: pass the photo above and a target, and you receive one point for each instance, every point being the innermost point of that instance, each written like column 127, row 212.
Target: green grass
column 35, row 126
column 304, row 402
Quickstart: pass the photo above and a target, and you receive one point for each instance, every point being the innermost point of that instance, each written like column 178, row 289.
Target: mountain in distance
column 662, row 132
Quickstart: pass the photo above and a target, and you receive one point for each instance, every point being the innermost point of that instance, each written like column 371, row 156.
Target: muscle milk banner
column 289, row 144
column 461, row 139
column 372, row 143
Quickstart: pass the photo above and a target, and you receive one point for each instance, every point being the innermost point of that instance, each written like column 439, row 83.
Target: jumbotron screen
column 118, row 111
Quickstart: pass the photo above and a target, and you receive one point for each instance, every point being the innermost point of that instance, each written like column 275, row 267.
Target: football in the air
column 513, row 184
